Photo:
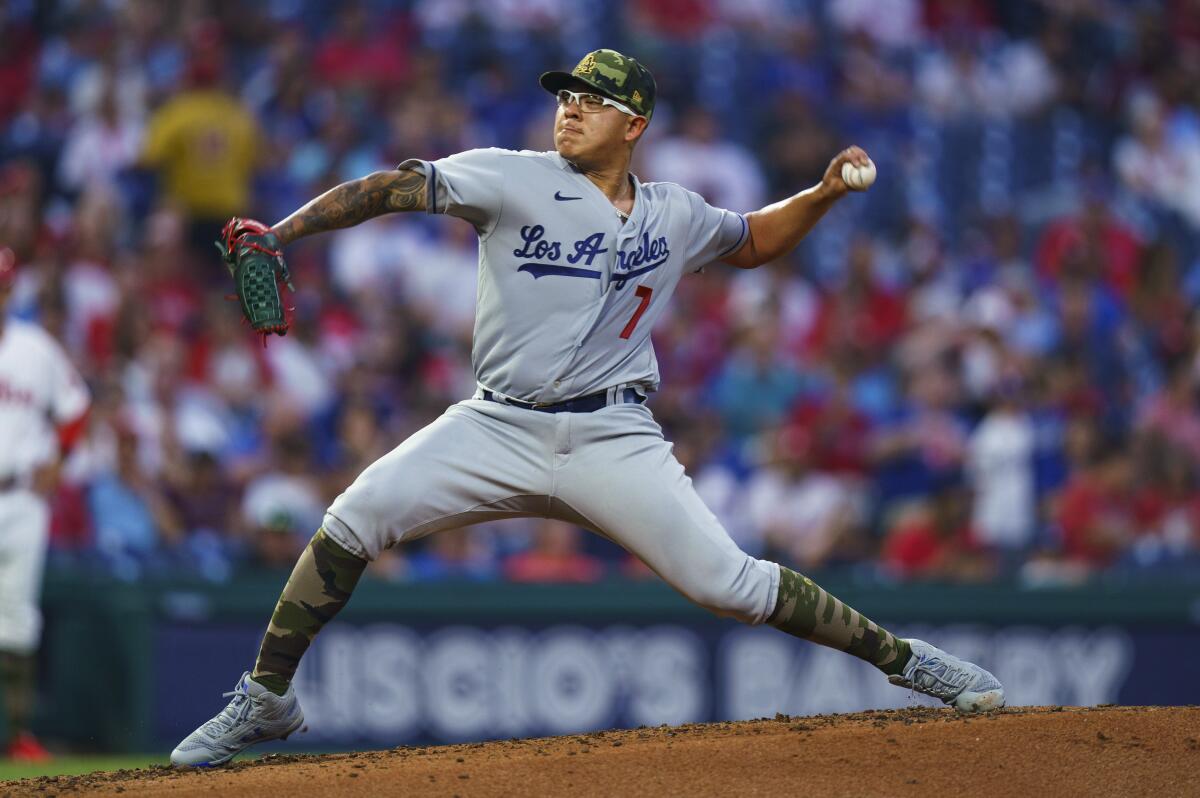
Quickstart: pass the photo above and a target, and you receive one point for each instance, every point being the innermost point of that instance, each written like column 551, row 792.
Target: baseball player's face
column 589, row 138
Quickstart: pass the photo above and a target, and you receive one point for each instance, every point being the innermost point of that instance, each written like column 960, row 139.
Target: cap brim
column 554, row 82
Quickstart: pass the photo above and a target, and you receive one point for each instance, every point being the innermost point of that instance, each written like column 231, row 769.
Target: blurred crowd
column 986, row 367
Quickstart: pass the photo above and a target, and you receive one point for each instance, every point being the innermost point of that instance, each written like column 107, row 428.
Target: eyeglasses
column 591, row 103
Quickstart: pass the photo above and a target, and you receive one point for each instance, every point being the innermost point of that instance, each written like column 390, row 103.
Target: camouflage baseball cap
column 611, row 74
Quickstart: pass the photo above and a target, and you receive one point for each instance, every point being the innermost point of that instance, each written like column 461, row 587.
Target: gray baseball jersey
column 567, row 297
column 568, row 293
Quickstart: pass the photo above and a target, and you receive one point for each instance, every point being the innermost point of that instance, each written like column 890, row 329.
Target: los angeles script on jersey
column 648, row 256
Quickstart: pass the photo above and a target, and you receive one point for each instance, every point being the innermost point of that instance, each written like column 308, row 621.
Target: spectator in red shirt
column 18, row 57
column 1172, row 412
column 1096, row 510
column 933, row 539
column 862, row 313
column 959, row 16
column 360, row 52
column 556, row 556
column 1158, row 309
column 1091, row 243
column 1184, row 24
column 683, row 20
column 1167, row 505
column 839, row 434
column 172, row 295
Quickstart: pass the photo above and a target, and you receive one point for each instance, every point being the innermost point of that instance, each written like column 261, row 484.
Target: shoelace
column 938, row 685
column 232, row 714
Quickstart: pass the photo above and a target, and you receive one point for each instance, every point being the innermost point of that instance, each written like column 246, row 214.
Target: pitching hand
column 832, row 182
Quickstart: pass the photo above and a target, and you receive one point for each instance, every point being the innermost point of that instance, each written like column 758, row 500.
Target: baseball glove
column 251, row 251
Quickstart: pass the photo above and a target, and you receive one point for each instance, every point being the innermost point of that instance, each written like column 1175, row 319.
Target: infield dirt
column 1028, row 752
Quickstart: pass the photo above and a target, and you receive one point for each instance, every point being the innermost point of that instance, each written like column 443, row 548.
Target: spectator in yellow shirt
column 204, row 143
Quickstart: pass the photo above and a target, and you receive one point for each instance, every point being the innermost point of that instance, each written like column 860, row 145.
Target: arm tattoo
column 355, row 202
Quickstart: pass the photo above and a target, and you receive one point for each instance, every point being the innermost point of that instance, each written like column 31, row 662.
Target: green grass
column 73, row 765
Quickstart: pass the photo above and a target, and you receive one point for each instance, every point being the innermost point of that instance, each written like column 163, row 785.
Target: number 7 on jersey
column 645, row 292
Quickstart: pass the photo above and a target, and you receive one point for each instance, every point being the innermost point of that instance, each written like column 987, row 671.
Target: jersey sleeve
column 469, row 185
column 713, row 233
column 69, row 397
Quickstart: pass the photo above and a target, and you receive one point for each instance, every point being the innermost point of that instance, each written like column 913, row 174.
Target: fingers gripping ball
column 252, row 254
column 858, row 178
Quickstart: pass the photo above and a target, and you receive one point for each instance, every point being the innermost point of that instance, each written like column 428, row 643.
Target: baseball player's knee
column 344, row 536
column 381, row 507
column 366, row 517
column 740, row 588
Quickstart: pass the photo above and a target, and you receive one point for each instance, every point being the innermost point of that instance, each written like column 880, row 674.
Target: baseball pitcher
column 577, row 260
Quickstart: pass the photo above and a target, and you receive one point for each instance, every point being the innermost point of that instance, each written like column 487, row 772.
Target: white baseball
column 859, row 178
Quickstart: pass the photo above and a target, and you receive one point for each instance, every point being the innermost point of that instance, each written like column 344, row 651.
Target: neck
column 611, row 178
column 615, row 185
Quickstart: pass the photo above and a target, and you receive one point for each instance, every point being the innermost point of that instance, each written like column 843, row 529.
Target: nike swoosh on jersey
column 558, row 196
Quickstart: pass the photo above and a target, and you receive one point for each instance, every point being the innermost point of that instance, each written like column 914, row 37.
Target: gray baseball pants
column 610, row 471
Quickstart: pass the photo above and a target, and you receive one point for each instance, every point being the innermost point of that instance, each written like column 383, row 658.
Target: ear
column 637, row 125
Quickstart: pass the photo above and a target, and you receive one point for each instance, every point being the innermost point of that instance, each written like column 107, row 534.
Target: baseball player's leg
column 805, row 610
column 480, row 460
column 319, row 586
column 621, row 477
column 24, row 530
column 633, row 490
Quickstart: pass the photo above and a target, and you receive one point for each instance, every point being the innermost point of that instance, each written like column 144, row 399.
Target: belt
column 583, row 404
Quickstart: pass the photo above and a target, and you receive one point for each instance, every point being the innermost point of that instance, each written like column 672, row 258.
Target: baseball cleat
column 961, row 684
column 255, row 715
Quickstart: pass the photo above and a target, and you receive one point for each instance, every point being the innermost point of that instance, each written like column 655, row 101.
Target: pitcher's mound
column 1026, row 752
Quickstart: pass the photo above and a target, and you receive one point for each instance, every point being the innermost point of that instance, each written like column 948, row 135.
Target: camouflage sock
column 805, row 610
column 320, row 585
column 16, row 682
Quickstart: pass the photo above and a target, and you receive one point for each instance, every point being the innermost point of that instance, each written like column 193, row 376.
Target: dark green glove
column 252, row 254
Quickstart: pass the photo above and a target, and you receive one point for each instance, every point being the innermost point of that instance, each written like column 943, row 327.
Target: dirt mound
column 1030, row 751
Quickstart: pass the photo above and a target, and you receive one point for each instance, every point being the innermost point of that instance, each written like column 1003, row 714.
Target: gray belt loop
column 502, row 398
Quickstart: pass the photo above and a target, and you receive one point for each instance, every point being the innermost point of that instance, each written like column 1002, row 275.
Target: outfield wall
column 132, row 667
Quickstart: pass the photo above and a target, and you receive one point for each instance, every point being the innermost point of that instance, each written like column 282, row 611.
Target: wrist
column 277, row 235
column 825, row 192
